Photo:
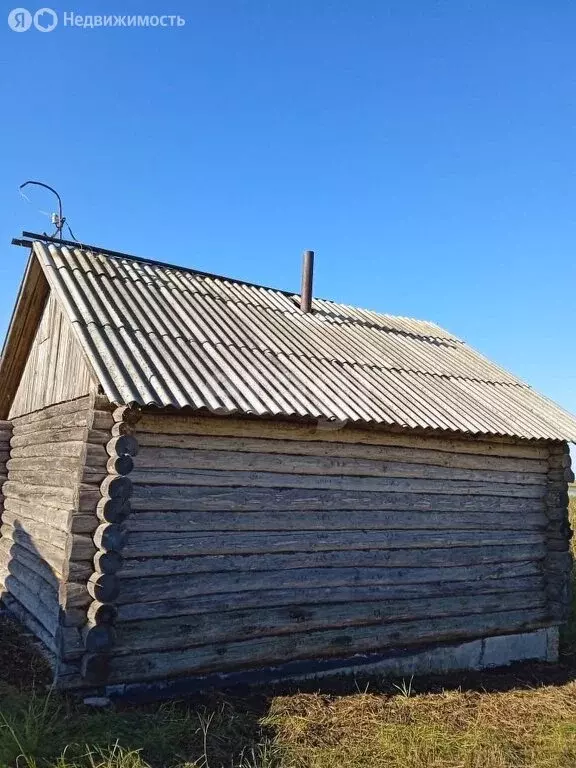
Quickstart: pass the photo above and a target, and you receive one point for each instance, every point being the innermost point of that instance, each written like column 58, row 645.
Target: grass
column 521, row 718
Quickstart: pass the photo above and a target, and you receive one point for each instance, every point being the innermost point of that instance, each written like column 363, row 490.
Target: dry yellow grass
column 445, row 730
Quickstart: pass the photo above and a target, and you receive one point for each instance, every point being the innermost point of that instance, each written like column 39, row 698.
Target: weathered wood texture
column 558, row 564
column 5, row 436
column 55, row 370
column 113, row 507
column 46, row 546
column 247, row 543
column 23, row 325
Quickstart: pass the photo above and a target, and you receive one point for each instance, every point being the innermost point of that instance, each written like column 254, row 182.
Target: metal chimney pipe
column 307, row 281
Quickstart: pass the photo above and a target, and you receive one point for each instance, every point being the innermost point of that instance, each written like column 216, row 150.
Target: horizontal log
column 371, row 558
column 58, row 519
column 319, row 644
column 60, row 409
column 226, row 426
column 63, row 520
column 195, row 477
column 202, row 595
column 169, row 497
column 55, row 557
column 69, row 612
column 66, row 442
column 41, row 603
column 61, row 480
column 70, row 464
column 64, row 421
column 33, row 531
column 80, row 547
column 234, row 625
column 169, row 544
column 52, row 496
column 28, row 567
column 102, row 420
column 73, row 595
column 88, row 498
column 84, row 523
column 32, row 624
column 169, row 444
column 68, row 643
column 197, row 585
column 332, row 520
column 96, row 443
column 282, row 463
column 39, row 538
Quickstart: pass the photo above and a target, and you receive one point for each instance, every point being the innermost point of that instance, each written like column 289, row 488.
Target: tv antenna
column 58, row 219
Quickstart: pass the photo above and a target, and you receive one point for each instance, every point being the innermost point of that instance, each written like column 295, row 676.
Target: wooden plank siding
column 46, row 544
column 254, row 543
column 55, row 370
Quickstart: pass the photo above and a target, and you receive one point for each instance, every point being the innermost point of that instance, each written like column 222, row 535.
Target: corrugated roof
column 168, row 336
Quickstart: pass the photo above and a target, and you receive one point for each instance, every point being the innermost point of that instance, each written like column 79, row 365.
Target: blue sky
column 426, row 150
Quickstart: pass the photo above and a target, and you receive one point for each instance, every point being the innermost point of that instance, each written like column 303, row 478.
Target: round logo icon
column 45, row 20
column 19, row 20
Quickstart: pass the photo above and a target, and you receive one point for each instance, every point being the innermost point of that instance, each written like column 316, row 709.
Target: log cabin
column 206, row 480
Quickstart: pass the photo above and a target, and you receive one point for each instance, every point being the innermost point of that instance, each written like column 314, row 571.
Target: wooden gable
column 55, row 370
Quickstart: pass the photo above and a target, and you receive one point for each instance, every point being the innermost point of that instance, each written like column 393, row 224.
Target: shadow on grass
column 37, row 729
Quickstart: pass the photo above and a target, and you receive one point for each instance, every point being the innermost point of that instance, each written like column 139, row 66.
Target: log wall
column 57, row 462
column 5, row 436
column 238, row 544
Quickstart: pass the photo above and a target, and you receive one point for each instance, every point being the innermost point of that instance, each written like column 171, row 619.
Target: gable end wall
column 56, row 370
column 57, row 463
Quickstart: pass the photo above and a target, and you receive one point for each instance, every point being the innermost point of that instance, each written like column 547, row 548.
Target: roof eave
column 26, row 316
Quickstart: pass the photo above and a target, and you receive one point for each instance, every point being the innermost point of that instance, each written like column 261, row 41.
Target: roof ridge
column 117, row 255
column 316, row 312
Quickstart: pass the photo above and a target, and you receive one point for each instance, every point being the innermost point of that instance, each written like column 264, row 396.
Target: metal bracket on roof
column 23, row 243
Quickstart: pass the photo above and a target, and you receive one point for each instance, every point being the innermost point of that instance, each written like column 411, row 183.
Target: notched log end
column 95, row 667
